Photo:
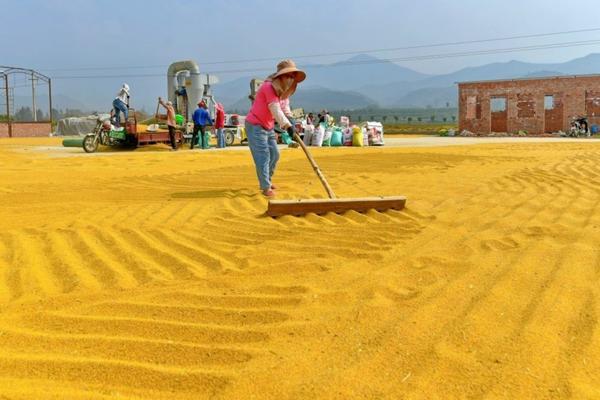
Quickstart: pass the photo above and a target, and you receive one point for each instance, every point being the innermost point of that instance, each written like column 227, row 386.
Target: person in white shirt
column 121, row 104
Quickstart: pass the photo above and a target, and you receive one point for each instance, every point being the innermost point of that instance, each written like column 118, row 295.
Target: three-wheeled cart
column 144, row 137
column 133, row 135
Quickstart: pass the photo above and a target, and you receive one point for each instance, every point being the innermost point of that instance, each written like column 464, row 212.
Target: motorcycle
column 579, row 127
column 105, row 134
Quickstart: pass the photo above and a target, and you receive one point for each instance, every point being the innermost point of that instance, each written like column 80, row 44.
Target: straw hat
column 286, row 67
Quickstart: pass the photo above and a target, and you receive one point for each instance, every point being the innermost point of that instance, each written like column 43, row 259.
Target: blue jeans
column 120, row 106
column 263, row 146
column 220, row 138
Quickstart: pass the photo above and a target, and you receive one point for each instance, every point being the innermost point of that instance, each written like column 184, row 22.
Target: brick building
column 536, row 105
column 25, row 129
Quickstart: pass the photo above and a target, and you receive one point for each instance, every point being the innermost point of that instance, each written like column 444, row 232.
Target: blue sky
column 54, row 35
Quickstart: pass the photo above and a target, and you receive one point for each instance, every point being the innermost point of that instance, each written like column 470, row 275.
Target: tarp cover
column 78, row 125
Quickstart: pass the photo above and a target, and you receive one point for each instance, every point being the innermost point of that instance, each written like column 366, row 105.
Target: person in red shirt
column 220, row 124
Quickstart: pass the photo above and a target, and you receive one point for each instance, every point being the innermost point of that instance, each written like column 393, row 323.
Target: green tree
column 432, row 118
column 74, row 112
column 409, row 119
column 41, row 116
column 396, row 118
column 454, row 118
column 23, row 114
column 57, row 114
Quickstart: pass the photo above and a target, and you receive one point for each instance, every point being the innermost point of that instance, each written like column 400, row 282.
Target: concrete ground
column 390, row 141
column 436, row 141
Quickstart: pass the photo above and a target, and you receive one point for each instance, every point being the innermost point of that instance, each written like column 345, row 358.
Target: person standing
column 170, row 121
column 121, row 104
column 320, row 127
column 220, row 125
column 201, row 120
column 321, row 117
column 330, row 121
column 310, row 119
column 260, row 121
column 309, row 129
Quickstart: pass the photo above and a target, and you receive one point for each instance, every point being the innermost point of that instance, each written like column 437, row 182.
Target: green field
column 417, row 129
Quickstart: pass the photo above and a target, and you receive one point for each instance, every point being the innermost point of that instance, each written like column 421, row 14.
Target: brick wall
column 572, row 96
column 26, row 129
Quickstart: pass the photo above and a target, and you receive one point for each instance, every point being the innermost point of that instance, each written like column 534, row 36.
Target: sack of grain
column 357, row 136
column 317, row 139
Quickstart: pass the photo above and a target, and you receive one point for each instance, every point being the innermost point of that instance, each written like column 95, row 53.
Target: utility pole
column 7, row 106
column 34, row 110
column 50, row 99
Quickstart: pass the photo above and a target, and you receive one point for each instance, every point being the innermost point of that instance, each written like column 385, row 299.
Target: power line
column 378, row 61
column 415, row 47
column 481, row 52
column 240, row 61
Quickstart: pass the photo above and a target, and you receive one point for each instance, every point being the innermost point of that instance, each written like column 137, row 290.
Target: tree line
column 25, row 114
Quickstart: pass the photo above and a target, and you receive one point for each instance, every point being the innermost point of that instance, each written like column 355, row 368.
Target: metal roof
column 6, row 70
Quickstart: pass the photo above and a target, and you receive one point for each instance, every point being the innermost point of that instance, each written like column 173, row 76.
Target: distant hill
column 348, row 75
column 589, row 64
column 429, row 97
column 507, row 70
column 230, row 93
column 62, row 102
column 318, row 98
column 542, row 74
column 437, row 90
column 357, row 82
column 359, row 71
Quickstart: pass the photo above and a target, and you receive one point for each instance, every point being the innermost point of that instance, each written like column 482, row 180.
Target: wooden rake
column 278, row 208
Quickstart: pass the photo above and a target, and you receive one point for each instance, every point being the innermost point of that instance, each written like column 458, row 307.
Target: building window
column 592, row 103
column 498, row 104
column 549, row 102
column 471, row 107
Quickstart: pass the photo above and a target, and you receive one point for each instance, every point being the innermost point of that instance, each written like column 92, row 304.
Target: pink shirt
column 285, row 106
column 259, row 113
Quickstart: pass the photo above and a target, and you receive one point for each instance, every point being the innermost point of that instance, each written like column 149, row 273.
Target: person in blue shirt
column 201, row 119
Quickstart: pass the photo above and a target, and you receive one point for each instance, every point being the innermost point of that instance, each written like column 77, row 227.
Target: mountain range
column 364, row 81
column 361, row 81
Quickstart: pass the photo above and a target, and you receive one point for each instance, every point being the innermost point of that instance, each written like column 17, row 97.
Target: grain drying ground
column 151, row 274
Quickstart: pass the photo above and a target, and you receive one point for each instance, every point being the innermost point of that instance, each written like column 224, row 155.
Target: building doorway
column 499, row 114
column 553, row 114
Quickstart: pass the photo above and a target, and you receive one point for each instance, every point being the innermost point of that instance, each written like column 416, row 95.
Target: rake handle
column 315, row 166
column 157, row 108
